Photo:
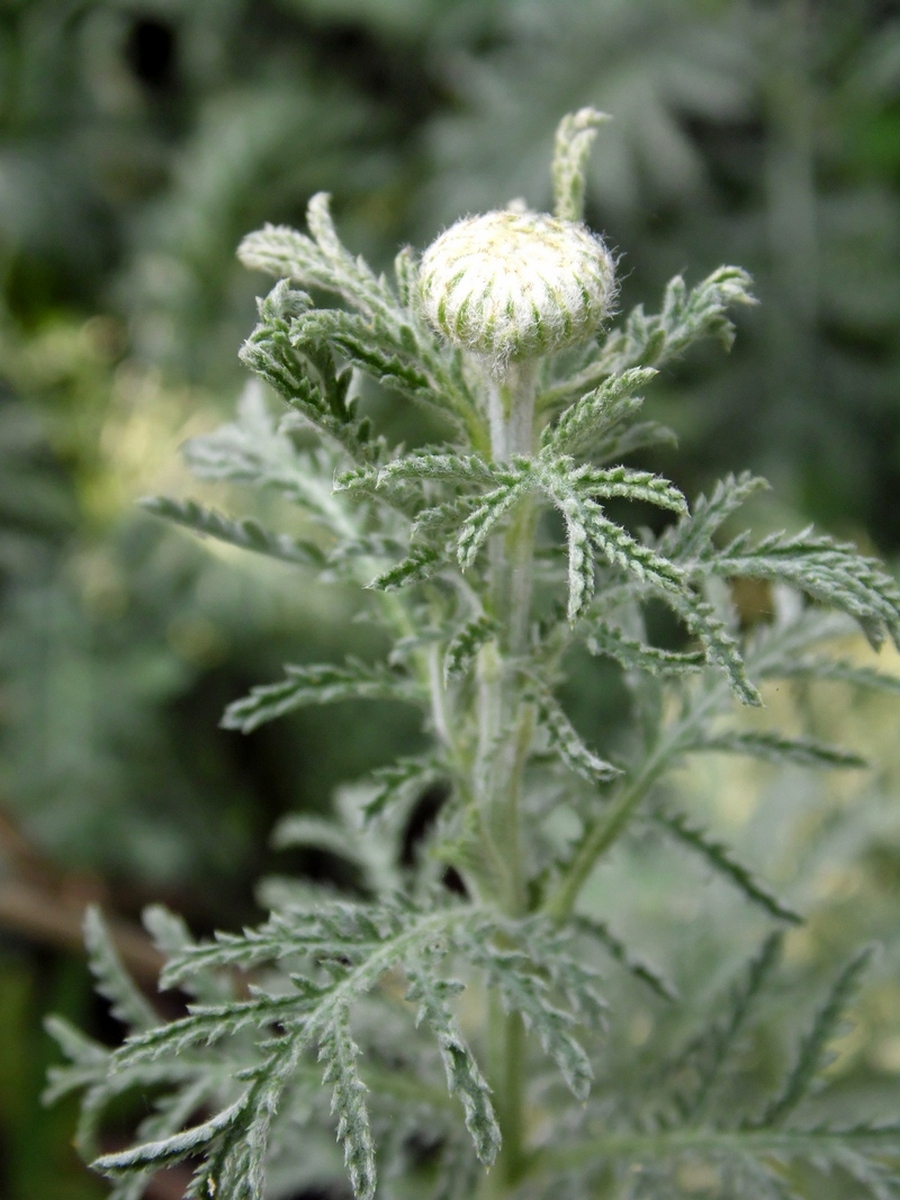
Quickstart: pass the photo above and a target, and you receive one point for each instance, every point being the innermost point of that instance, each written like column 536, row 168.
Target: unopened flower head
column 513, row 285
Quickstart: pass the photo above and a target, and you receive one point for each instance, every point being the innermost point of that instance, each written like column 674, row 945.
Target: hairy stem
column 506, row 729
column 599, row 837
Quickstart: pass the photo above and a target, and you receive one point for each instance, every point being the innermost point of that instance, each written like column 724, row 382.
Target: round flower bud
column 513, row 285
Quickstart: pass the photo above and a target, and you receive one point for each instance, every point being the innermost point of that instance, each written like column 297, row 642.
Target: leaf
column 838, row 671
column 255, row 449
column 811, row 1058
column 820, row 1146
column 576, row 513
column 832, row 572
column 320, row 684
column 551, row 949
column 464, row 1077
column 283, row 252
column 721, row 647
column 321, row 263
column 305, row 377
column 355, row 279
column 710, row 1052
column 89, row 1060
column 406, row 272
column 523, row 990
column 351, row 947
column 491, row 509
column 295, row 830
column 588, row 530
column 638, row 966
column 772, row 747
column 635, row 655
column 566, row 742
column 127, row 1003
column 465, row 644
column 596, row 411
column 693, row 534
column 686, row 317
column 368, row 346
column 722, row 860
column 393, row 782
column 462, row 469
column 574, row 137
column 242, row 531
column 630, row 485
column 172, row 1149
column 422, row 563
column 339, row 1051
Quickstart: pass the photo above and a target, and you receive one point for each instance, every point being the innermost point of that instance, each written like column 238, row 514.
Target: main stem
column 506, row 725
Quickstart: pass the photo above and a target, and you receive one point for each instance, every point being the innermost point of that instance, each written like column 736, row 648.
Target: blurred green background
column 138, row 143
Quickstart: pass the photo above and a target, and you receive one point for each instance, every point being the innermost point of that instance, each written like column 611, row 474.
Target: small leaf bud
column 514, row 285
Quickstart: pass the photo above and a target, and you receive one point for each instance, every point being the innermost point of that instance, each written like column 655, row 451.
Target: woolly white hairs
column 511, row 285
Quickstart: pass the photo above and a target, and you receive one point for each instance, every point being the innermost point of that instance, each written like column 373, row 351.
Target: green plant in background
column 450, row 1018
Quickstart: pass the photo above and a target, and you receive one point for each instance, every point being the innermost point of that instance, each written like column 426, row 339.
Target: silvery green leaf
column 339, row 1052
column 629, row 485
column 465, row 644
column 245, row 532
column 420, row 564
column 721, row 858
column 574, row 137
column 127, row 1002
column 633, row 962
column 812, row 1055
column 566, row 742
column 492, row 507
column 711, row 1052
column 464, row 1077
column 721, row 647
column 634, row 655
column 774, row 748
column 833, row 572
column 321, row 684
column 693, row 534
column 525, row 991
column 464, row 469
column 175, row 1148
column 595, row 412
column 687, row 316
column 393, row 782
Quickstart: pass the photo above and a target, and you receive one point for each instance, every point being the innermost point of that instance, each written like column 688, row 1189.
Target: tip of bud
column 511, row 285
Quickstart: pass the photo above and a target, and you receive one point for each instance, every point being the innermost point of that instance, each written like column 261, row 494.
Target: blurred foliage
column 140, row 140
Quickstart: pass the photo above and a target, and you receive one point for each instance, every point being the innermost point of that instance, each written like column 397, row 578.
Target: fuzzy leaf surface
column 322, row 684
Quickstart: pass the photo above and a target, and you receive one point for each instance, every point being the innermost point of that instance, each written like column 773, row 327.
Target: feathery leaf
column 813, row 1049
column 772, row 747
column 465, row 644
column 237, row 531
column 339, row 1052
column 464, row 1077
column 320, row 684
column 633, row 655
column 127, row 1003
column 597, row 411
column 722, row 860
column 636, row 964
column 567, row 743
column 574, row 137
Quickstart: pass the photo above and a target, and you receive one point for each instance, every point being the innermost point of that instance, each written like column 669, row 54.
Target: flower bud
column 515, row 285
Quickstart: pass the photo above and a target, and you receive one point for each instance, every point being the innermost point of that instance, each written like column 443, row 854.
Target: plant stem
column 596, row 842
column 599, row 837
column 506, row 728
